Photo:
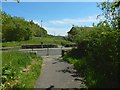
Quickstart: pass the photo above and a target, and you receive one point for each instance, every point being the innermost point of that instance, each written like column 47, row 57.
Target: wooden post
column 41, row 44
column 61, row 51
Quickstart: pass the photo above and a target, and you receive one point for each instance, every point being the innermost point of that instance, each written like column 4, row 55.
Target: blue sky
column 58, row 17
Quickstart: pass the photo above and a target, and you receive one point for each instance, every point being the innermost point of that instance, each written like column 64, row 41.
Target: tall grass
column 19, row 69
column 37, row 40
column 16, row 59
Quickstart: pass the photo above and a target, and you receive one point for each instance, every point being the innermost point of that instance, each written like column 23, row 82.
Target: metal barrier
column 39, row 46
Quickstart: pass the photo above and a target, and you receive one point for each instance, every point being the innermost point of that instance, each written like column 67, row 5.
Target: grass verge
column 19, row 69
column 37, row 40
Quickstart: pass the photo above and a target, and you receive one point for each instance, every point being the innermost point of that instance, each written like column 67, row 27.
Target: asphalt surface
column 49, row 51
column 56, row 73
column 46, row 51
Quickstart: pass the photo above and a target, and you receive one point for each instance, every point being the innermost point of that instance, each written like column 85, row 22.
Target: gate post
column 47, row 51
column 61, row 51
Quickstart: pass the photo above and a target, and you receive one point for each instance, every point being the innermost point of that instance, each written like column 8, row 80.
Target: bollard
column 47, row 51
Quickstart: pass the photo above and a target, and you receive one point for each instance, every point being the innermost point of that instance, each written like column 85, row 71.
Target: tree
column 18, row 29
column 37, row 30
column 75, row 32
column 111, row 13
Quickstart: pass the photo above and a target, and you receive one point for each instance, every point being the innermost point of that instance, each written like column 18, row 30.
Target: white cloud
column 53, row 30
column 61, row 27
column 89, row 19
column 37, row 22
column 57, row 31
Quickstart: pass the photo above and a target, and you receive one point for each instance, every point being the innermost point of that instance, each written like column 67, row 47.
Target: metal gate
column 46, row 51
column 49, row 51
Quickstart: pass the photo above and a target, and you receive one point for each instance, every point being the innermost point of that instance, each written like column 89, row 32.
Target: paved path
column 57, row 74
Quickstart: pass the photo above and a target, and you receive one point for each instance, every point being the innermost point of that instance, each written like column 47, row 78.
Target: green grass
column 37, row 40
column 16, row 59
column 20, row 69
column 31, row 75
column 70, row 59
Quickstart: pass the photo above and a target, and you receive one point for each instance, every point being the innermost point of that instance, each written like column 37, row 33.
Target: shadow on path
column 70, row 70
column 57, row 73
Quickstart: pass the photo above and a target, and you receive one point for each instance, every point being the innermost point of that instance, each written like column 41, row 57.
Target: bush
column 103, row 58
column 98, row 57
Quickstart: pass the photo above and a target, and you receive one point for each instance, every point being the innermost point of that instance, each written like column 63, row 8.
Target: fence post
column 41, row 44
column 47, row 51
column 61, row 51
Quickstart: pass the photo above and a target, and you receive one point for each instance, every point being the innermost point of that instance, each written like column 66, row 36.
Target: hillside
column 19, row 29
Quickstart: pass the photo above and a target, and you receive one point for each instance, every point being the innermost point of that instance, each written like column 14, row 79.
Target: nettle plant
column 8, row 73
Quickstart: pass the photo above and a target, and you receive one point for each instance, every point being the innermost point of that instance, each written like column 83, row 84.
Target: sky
column 57, row 17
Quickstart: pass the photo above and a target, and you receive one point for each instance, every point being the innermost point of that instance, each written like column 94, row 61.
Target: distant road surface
column 46, row 51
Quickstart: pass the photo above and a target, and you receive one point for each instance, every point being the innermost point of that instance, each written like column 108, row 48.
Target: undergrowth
column 19, row 69
column 98, row 58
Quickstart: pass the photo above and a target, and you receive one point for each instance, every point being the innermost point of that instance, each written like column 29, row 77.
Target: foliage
column 32, row 75
column 111, row 12
column 38, row 40
column 18, row 29
column 75, row 31
column 37, row 30
column 102, row 58
column 16, row 67
column 98, row 53
column 98, row 57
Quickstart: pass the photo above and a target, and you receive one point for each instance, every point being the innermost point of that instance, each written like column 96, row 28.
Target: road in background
column 46, row 51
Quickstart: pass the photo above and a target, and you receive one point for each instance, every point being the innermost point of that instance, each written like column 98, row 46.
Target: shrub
column 98, row 57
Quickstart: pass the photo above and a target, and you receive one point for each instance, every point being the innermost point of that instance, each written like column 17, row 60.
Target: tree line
column 18, row 29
